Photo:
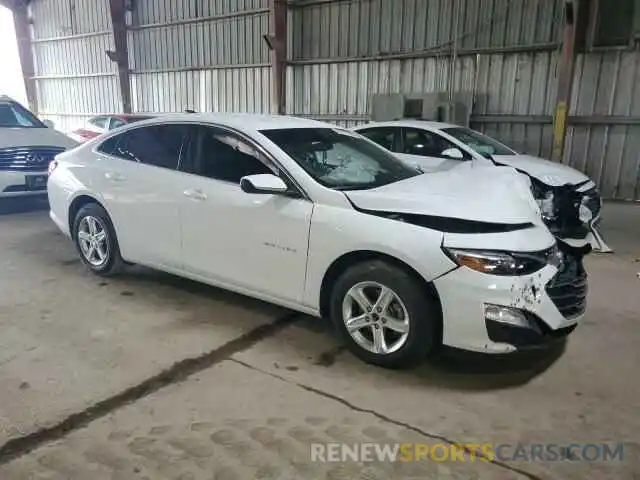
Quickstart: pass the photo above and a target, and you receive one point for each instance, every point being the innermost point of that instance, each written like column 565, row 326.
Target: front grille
column 568, row 288
column 27, row 159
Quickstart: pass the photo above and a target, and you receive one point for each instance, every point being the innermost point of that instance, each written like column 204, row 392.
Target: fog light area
column 507, row 315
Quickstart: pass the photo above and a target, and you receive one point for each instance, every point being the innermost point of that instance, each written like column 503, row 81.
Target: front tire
column 96, row 240
column 385, row 315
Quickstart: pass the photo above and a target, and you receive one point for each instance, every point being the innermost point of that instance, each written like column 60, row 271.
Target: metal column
column 278, row 13
column 118, row 10
column 566, row 64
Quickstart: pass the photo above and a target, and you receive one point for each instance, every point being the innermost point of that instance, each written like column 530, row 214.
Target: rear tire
column 96, row 240
column 384, row 315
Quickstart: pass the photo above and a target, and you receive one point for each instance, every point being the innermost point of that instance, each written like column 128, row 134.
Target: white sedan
column 323, row 221
column 569, row 200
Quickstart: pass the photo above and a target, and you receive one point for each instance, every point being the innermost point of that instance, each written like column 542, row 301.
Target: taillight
column 52, row 166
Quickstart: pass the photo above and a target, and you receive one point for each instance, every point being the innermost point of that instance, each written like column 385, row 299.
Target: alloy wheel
column 376, row 317
column 93, row 241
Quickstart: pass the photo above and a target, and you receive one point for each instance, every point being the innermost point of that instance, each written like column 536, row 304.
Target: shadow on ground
column 9, row 206
column 449, row 369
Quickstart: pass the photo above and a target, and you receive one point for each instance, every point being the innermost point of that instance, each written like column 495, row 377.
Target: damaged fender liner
column 447, row 224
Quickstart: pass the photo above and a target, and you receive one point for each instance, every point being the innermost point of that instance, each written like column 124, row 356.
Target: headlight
column 503, row 263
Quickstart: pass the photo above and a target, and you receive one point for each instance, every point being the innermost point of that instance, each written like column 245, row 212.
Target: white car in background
column 27, row 146
column 568, row 199
column 100, row 124
column 323, row 221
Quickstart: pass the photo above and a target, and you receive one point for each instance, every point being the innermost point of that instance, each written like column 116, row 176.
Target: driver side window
column 425, row 143
column 383, row 136
column 216, row 154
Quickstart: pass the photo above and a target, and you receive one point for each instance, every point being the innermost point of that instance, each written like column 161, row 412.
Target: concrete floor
column 150, row 376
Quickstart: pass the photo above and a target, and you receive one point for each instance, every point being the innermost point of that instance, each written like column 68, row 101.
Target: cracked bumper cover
column 553, row 302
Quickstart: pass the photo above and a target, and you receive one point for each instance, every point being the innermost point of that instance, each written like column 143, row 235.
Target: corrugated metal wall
column 209, row 55
column 74, row 76
column 523, row 87
column 506, row 55
column 202, row 54
column 608, row 149
column 341, row 52
column 364, row 28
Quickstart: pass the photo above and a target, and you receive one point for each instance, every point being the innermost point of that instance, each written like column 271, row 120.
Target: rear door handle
column 195, row 194
column 116, row 177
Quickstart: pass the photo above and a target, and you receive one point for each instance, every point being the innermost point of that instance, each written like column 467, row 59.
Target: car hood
column 467, row 192
column 552, row 173
column 34, row 137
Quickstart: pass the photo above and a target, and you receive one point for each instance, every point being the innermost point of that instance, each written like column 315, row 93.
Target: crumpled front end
column 571, row 212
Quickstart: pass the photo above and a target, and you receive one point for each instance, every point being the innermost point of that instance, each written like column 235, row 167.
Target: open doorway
column 11, row 81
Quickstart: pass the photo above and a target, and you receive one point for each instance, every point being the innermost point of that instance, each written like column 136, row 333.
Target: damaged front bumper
column 493, row 314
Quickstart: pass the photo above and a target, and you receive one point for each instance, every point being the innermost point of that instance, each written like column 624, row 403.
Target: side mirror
column 263, row 183
column 48, row 124
column 453, row 153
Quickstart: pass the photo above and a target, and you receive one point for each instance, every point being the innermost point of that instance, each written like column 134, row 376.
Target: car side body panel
column 336, row 232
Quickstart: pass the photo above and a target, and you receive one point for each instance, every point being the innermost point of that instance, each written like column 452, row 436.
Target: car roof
column 240, row 121
column 425, row 124
column 133, row 115
column 125, row 115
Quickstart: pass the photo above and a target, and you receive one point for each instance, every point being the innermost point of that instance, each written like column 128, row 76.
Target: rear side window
column 109, row 145
column 158, row 145
column 219, row 155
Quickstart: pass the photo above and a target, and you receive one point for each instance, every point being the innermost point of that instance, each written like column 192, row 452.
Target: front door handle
column 195, row 194
column 116, row 177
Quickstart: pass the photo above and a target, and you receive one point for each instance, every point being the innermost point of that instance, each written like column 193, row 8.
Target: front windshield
column 339, row 159
column 480, row 143
column 13, row 115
